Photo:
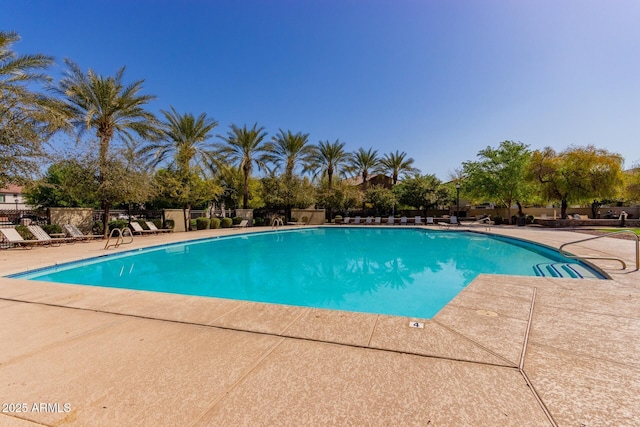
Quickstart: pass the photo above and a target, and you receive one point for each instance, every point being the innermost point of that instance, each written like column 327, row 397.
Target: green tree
column 110, row 108
column 329, row 158
column 632, row 184
column 27, row 117
column 287, row 151
column 340, row 197
column 499, row 175
column 282, row 192
column 421, row 192
column 185, row 149
column 577, row 175
column 69, row 183
column 397, row 164
column 382, row 199
column 244, row 148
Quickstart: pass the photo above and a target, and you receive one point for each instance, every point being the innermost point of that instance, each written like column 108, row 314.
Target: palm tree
column 330, row 158
column 244, row 149
column 286, row 150
column 27, row 118
column 397, row 164
column 111, row 108
column 184, row 144
column 365, row 162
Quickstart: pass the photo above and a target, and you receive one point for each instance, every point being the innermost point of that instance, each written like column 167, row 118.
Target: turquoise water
column 406, row 272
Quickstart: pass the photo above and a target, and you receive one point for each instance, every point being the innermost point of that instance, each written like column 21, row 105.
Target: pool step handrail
column 624, row 264
column 120, row 235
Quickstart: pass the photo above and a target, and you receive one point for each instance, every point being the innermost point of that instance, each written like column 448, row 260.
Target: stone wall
column 80, row 217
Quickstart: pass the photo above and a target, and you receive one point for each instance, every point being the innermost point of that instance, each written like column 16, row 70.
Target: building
column 11, row 198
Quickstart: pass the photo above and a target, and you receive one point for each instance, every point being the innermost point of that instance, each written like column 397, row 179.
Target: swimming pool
column 406, row 272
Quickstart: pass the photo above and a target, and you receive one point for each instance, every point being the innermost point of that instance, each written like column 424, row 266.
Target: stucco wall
column 81, row 217
column 316, row 216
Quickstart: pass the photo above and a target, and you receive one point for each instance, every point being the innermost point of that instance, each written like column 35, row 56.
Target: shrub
column 305, row 219
column 237, row 220
column 215, row 223
column 193, row 224
column 258, row 222
column 118, row 223
column 97, row 228
column 52, row 229
column 514, row 219
column 497, row 219
column 530, row 219
column 203, row 223
column 227, row 222
column 142, row 224
column 24, row 232
column 294, row 219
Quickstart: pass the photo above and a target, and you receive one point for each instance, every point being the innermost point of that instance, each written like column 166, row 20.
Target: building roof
column 12, row 189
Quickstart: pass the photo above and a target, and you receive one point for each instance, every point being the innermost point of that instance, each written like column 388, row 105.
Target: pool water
column 405, row 272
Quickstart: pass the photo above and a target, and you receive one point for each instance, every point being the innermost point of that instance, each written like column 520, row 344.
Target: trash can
column 521, row 221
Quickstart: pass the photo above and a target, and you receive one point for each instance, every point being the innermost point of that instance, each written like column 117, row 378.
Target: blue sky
column 439, row 80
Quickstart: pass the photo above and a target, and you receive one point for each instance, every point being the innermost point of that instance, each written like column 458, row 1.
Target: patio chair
column 390, row 220
column 346, row 220
column 11, row 235
column 75, row 233
column 137, row 229
column 243, row 224
column 453, row 220
column 377, row 221
column 403, row 220
column 153, row 227
column 368, row 221
column 356, row 220
column 418, row 220
column 482, row 222
column 45, row 239
column 429, row 220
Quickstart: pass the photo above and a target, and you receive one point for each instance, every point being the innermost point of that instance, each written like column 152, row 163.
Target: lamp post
column 458, row 201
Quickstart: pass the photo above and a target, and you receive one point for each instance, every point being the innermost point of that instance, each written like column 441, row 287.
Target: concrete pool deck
column 507, row 351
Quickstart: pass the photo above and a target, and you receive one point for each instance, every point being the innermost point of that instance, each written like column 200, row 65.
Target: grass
column 611, row 230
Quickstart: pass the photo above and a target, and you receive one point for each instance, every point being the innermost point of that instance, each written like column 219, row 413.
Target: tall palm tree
column 397, row 163
column 27, row 117
column 110, row 108
column 365, row 162
column 286, row 150
column 184, row 143
column 244, row 148
column 330, row 158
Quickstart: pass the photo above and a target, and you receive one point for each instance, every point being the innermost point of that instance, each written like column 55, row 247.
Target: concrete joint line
column 522, row 358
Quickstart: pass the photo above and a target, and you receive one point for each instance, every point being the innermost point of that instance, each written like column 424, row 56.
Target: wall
column 246, row 214
column 177, row 215
column 81, row 217
column 316, row 216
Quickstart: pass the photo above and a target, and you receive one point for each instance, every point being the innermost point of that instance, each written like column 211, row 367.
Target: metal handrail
column 119, row 238
column 624, row 265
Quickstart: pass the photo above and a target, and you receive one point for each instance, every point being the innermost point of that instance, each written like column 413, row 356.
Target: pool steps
column 564, row 270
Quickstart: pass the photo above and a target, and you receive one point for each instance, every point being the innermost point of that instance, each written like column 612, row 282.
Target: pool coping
column 494, row 322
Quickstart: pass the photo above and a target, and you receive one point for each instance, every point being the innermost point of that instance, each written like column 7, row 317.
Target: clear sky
column 438, row 79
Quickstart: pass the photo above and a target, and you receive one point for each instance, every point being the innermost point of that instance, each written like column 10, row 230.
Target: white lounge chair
column 368, row 221
column 453, row 220
column 356, row 220
column 418, row 221
column 153, row 227
column 430, row 221
column 43, row 237
column 377, row 221
column 346, row 220
column 390, row 220
column 74, row 232
column 403, row 220
column 243, row 224
column 482, row 222
column 11, row 235
column 137, row 229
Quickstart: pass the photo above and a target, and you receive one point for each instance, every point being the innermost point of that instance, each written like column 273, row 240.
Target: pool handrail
column 624, row 265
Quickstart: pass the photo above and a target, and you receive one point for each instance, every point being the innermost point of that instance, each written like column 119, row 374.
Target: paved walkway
column 507, row 351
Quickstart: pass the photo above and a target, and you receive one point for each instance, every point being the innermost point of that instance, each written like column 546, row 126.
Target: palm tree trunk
column 245, row 194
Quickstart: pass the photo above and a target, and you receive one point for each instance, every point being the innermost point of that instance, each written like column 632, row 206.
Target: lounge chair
column 377, row 221
column 137, row 229
column 153, row 227
column 346, row 220
column 430, row 220
column 243, row 224
column 11, row 235
column 368, row 221
column 453, row 220
column 418, row 221
column 356, row 220
column 391, row 220
column 403, row 220
column 75, row 233
column 45, row 239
